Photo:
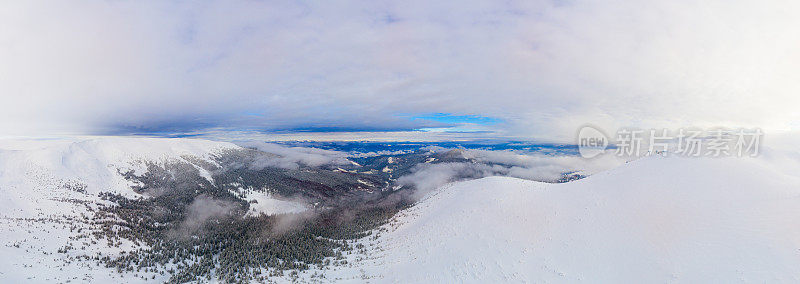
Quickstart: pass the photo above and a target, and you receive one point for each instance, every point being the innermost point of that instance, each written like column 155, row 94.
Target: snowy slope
column 36, row 170
column 653, row 220
column 43, row 184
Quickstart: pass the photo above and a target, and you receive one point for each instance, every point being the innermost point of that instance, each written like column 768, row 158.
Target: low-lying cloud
column 293, row 157
column 202, row 209
column 538, row 167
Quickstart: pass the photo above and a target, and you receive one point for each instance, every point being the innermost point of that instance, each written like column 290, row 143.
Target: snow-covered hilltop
column 34, row 171
column 44, row 185
column 657, row 219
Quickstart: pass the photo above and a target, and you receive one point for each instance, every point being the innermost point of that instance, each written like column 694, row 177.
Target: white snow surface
column 685, row 220
column 266, row 204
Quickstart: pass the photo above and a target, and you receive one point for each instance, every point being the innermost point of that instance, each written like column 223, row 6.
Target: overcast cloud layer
column 541, row 68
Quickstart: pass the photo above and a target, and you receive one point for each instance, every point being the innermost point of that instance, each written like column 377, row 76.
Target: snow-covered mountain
column 695, row 220
column 33, row 171
column 43, row 184
column 656, row 219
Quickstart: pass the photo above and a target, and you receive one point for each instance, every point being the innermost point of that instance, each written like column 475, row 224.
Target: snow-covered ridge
column 32, row 171
column 68, row 153
column 49, row 179
column 657, row 219
column 696, row 220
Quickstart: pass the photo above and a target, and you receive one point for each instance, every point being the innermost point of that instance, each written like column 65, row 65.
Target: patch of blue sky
column 459, row 119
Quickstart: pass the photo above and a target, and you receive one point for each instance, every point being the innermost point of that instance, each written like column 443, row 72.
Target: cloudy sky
column 533, row 69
